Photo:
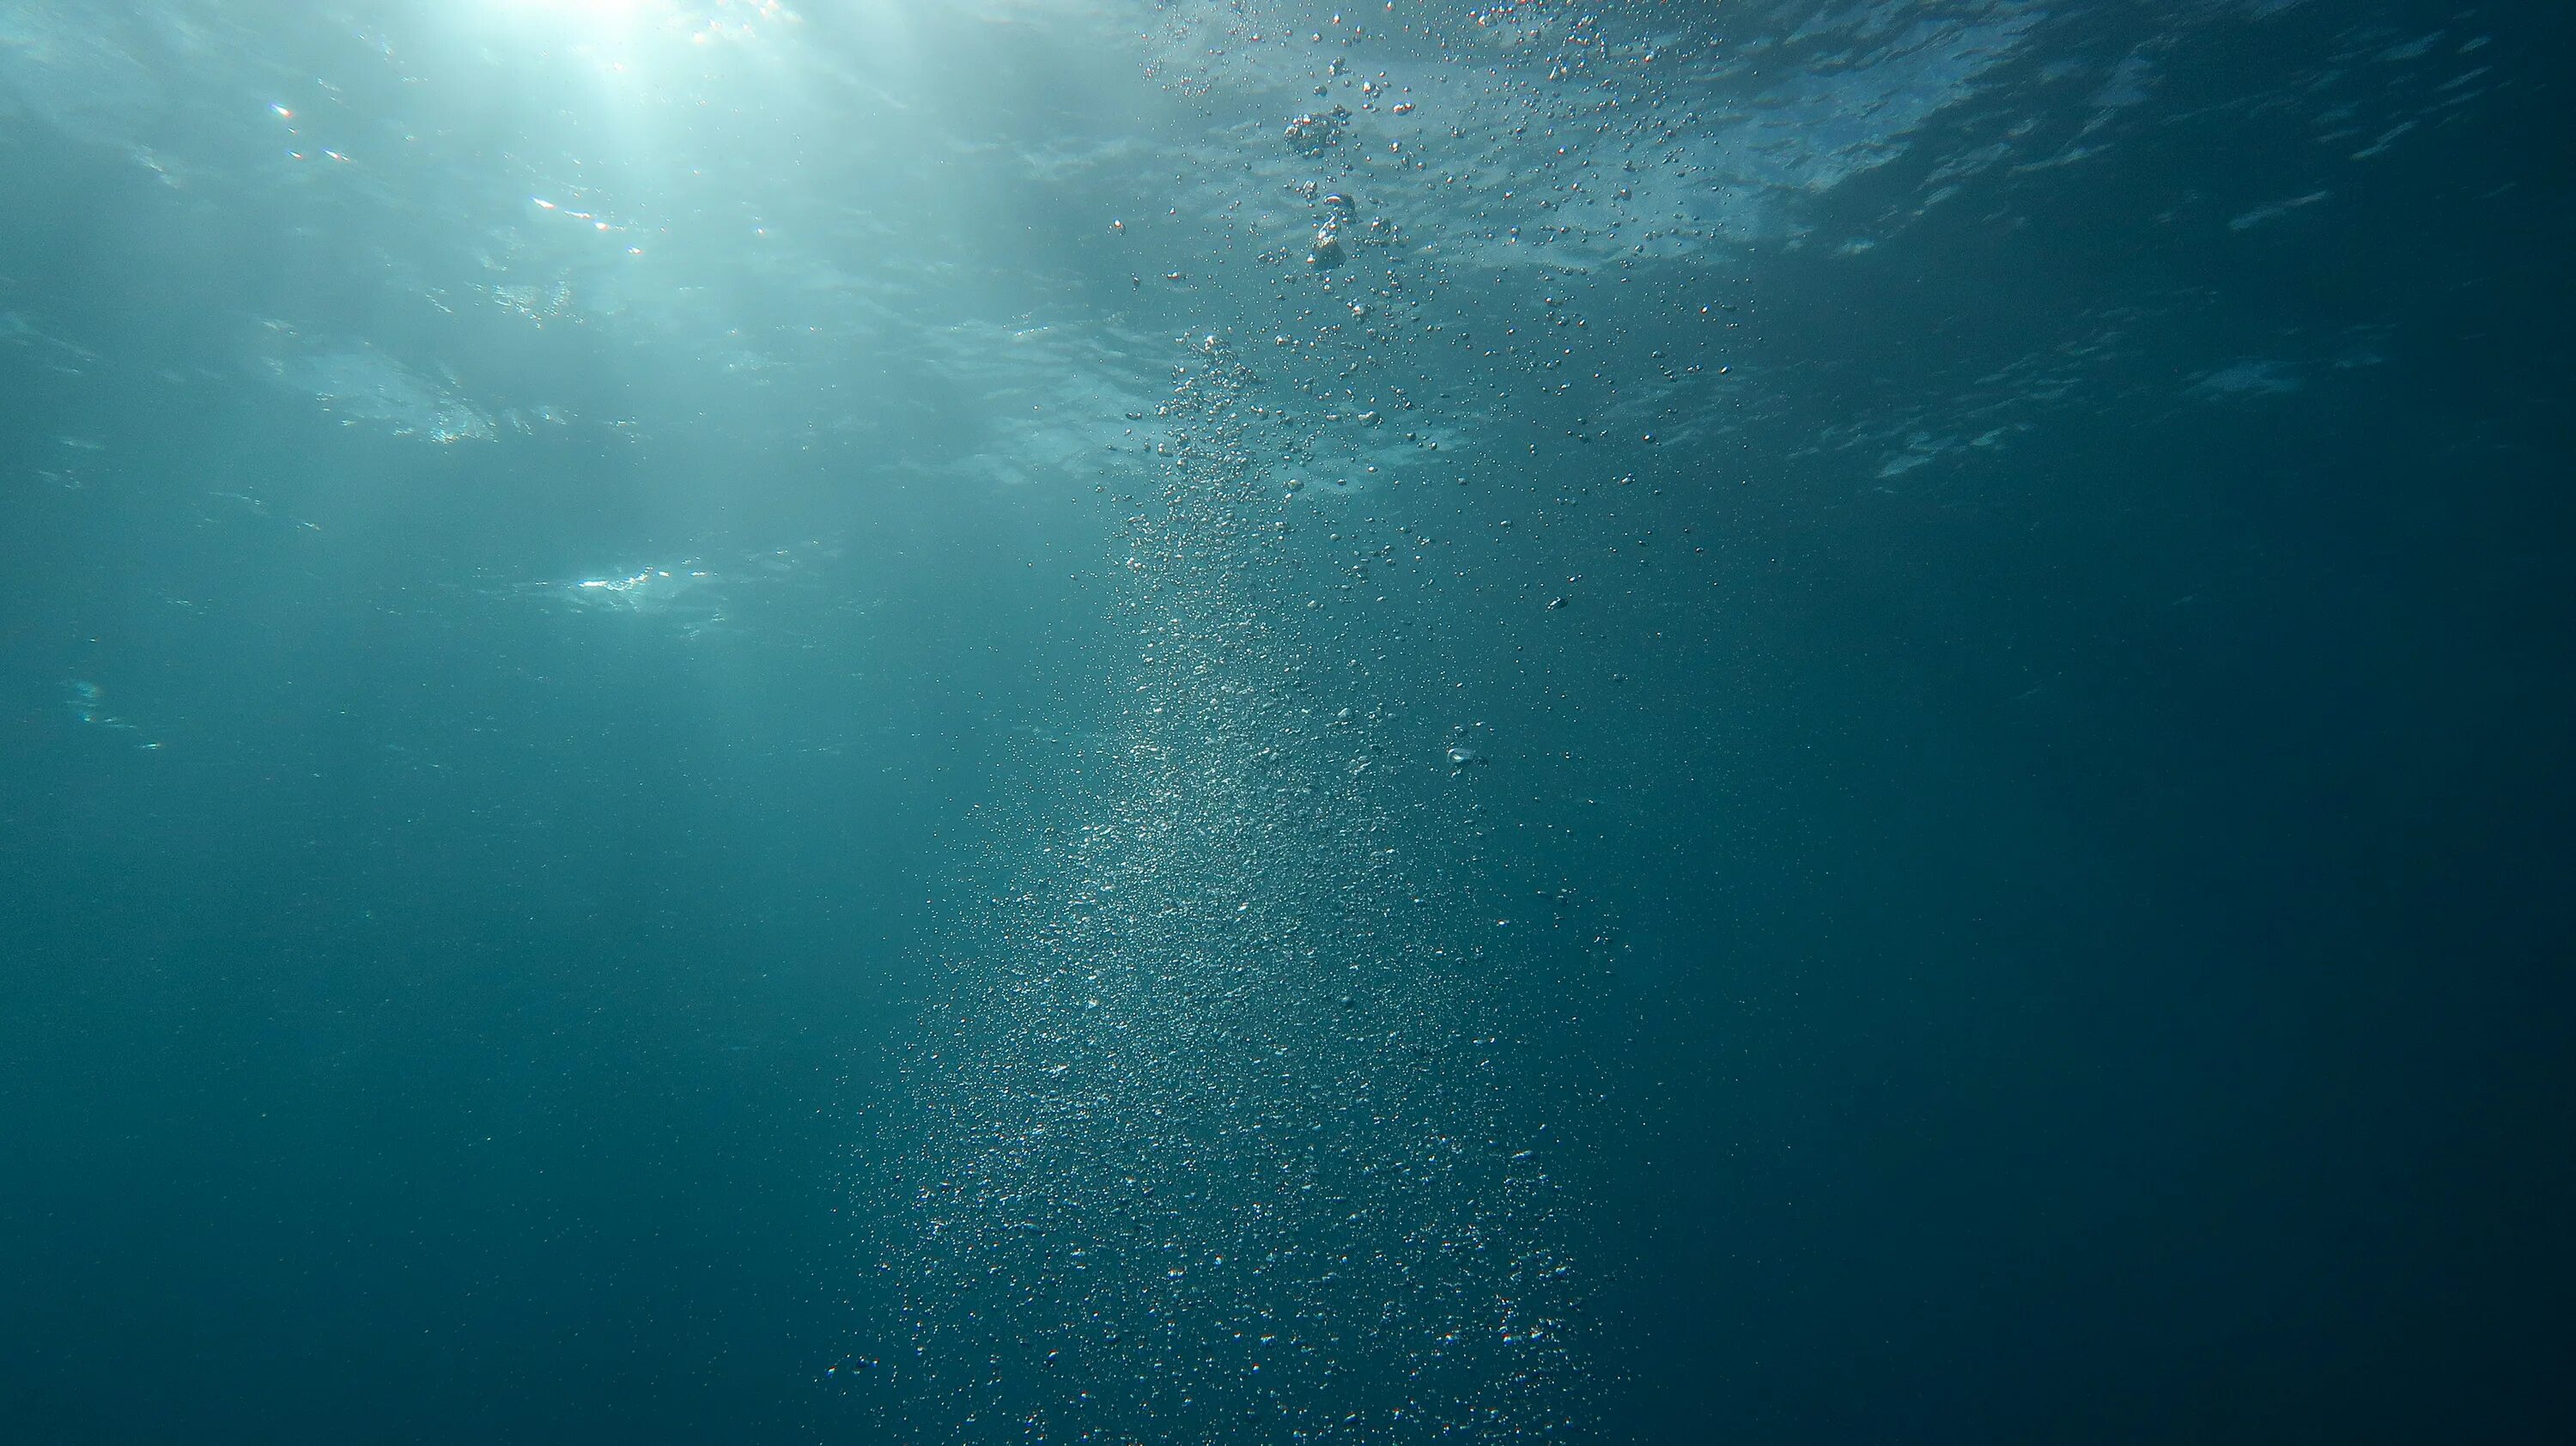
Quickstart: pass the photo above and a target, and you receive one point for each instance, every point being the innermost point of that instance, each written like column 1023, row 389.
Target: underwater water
column 1133, row 721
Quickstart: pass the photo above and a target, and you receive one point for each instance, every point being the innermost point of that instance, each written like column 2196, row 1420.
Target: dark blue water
column 1083, row 721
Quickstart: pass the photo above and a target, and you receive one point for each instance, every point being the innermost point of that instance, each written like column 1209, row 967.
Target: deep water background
column 2045, row 804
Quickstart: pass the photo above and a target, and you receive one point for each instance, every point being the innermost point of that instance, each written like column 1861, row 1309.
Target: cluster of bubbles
column 1218, row 1137
column 1315, row 132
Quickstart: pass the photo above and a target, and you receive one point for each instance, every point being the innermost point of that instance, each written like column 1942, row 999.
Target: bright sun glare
column 604, row 13
column 624, row 19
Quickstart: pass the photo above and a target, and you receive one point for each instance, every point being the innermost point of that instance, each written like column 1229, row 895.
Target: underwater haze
column 1029, row 722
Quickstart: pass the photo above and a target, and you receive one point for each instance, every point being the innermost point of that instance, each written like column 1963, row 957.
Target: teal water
column 1115, row 722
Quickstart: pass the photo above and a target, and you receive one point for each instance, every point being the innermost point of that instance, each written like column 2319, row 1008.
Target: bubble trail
column 1213, row 1140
